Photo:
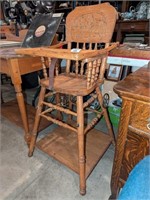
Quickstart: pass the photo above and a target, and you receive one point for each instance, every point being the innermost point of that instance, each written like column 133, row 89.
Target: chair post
column 109, row 126
column 69, row 118
column 37, row 121
column 59, row 114
column 81, row 144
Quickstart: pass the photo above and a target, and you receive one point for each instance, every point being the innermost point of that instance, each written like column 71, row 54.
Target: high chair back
column 91, row 24
column 90, row 28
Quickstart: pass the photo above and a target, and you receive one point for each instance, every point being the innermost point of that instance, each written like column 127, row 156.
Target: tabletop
column 9, row 52
column 131, row 51
column 136, row 85
column 7, row 49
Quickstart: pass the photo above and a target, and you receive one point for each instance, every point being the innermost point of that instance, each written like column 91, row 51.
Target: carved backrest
column 94, row 24
column 88, row 27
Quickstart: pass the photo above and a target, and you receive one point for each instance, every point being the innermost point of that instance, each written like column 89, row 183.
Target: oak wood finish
column 133, row 140
column 86, row 27
column 59, row 143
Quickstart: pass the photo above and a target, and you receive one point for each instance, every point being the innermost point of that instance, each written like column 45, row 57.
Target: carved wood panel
column 134, row 144
column 136, row 148
column 91, row 23
column 140, row 116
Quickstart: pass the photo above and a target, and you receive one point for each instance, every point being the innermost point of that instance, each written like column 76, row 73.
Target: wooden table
column 131, row 51
column 133, row 141
column 129, row 55
column 16, row 65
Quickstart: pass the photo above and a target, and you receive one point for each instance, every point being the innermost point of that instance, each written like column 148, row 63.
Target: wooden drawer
column 136, row 148
column 134, row 26
column 140, row 116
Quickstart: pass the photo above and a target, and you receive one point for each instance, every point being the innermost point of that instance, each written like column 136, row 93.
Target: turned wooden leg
column 23, row 112
column 105, row 113
column 81, row 145
column 16, row 80
column 69, row 118
column 59, row 114
column 120, row 145
column 36, row 122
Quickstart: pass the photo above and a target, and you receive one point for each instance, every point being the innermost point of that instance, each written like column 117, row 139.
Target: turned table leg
column 16, row 80
column 120, row 144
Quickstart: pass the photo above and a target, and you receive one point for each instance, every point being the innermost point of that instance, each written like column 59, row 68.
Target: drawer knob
column 148, row 126
column 132, row 26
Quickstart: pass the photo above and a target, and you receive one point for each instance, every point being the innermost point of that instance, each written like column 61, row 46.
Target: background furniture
column 122, row 26
column 133, row 141
column 14, row 66
column 131, row 26
column 130, row 56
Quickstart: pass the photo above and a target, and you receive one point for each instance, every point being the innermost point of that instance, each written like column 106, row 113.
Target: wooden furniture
column 133, row 141
column 14, row 66
column 128, row 51
column 129, row 55
column 80, row 147
column 131, row 26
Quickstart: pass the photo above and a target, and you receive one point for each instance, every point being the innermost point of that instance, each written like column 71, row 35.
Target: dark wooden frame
column 118, row 76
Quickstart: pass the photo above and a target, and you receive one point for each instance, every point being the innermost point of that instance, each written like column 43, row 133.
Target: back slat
column 90, row 27
column 92, row 70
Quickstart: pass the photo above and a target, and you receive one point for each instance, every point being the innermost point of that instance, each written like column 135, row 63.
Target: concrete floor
column 41, row 177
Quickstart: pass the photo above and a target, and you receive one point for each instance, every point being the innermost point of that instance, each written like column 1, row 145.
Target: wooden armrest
column 64, row 53
column 112, row 46
column 101, row 52
column 58, row 53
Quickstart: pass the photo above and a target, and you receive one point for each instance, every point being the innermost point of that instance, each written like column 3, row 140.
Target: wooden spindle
column 44, row 67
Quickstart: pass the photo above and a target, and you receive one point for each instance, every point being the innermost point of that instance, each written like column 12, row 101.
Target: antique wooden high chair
column 75, row 143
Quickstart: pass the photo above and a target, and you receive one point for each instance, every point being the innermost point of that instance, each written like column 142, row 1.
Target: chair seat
column 69, row 85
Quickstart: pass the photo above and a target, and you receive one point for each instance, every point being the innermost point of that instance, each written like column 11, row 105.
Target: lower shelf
column 62, row 145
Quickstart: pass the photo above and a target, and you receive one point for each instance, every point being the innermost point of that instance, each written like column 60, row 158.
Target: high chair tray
column 61, row 144
column 65, row 53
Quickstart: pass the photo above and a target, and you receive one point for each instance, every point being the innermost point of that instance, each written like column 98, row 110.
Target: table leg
column 120, row 144
column 16, row 80
column 23, row 112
